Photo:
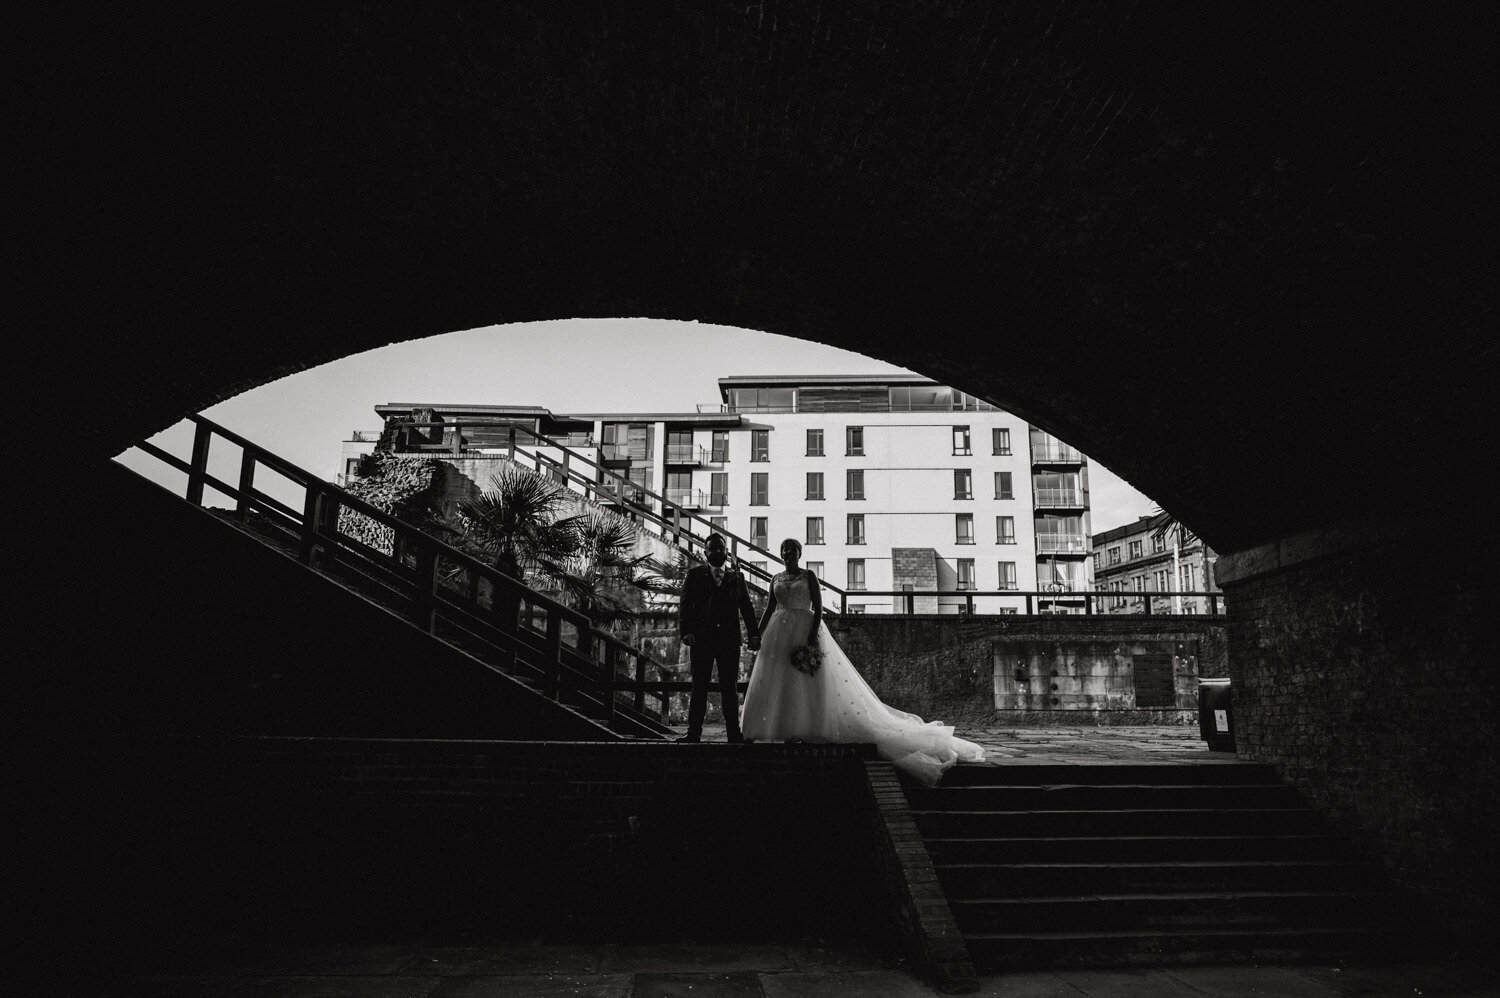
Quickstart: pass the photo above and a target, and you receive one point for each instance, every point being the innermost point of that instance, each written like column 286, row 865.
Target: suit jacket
column 707, row 611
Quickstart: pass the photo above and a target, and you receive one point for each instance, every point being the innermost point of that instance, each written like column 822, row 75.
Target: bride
column 794, row 697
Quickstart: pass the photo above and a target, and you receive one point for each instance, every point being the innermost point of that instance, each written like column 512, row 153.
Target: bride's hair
column 794, row 543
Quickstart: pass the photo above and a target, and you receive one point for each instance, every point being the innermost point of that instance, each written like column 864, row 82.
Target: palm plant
column 604, row 577
column 518, row 526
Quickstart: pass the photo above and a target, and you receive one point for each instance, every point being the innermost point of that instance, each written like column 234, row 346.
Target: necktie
column 718, row 576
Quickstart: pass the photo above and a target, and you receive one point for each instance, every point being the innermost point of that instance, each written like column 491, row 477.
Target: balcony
column 365, row 436
column 621, row 454
column 688, row 454
column 1061, row 544
column 687, row 498
column 1055, row 454
column 1059, row 498
column 618, row 493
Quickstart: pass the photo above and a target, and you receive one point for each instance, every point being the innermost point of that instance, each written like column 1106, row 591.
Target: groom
column 712, row 598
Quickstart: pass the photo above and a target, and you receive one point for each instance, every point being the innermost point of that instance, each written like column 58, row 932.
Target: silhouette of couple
column 802, row 686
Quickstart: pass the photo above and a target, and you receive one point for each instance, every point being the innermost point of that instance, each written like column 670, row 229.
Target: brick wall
column 917, row 567
column 1364, row 676
column 647, row 841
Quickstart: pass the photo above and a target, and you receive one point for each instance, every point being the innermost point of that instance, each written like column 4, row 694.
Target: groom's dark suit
column 711, row 611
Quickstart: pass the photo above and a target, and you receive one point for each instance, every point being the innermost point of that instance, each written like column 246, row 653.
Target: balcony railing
column 1061, row 544
column 688, row 498
column 365, row 436
column 1054, row 600
column 1067, row 498
column 687, row 454
column 1054, row 454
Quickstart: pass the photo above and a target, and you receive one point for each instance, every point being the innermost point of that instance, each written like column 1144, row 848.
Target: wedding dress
column 835, row 704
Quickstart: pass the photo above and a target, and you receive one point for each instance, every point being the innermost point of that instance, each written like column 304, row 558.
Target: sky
column 591, row 365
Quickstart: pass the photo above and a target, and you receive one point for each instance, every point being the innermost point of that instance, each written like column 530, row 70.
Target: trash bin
column 1215, row 714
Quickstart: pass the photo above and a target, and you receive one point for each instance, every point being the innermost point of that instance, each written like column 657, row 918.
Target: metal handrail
column 588, row 667
column 629, row 494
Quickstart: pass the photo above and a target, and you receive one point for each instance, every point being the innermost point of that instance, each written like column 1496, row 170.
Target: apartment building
column 1135, row 563
column 893, row 484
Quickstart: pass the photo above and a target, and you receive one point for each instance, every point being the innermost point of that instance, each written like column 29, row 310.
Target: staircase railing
column 444, row 591
column 604, row 485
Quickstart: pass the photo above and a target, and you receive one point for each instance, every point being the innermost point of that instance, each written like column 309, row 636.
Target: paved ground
column 538, row 968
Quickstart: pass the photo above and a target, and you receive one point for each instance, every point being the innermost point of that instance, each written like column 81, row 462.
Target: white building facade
column 894, row 485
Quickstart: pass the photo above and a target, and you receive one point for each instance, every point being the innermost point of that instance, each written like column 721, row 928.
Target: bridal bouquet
column 807, row 658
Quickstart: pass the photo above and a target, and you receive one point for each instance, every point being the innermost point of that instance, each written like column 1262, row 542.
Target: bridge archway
column 1233, row 255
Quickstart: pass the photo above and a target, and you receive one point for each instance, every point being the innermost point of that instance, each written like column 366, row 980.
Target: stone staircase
column 1051, row 866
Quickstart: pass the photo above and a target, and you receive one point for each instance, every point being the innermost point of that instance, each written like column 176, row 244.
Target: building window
column 815, row 567
column 1114, row 555
column 814, row 485
column 1158, row 543
column 854, row 441
column 1114, row 587
column 966, row 573
column 856, row 528
column 679, row 446
column 719, row 523
column 961, row 440
column 760, row 445
column 1187, row 578
column 1003, row 485
column 814, row 443
column 759, row 530
column 679, row 487
column 720, row 447
column 1005, row 530
column 1162, row 577
column 1140, row 583
column 1008, row 575
column 963, row 483
column 1000, row 438
column 964, row 528
column 760, row 487
column 815, row 530
column 1135, row 550
column 855, row 608
column 856, row 576
column 638, row 436
column 854, row 482
column 718, row 488
column 1095, row 557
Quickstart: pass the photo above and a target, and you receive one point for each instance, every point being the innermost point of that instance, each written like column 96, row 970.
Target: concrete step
column 1137, row 848
column 996, row 951
column 1180, row 911
column 972, row 880
column 1044, row 822
column 1064, row 796
column 1162, row 773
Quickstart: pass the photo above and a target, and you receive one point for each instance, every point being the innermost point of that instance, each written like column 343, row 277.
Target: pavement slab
column 1250, row 982
column 853, row 984
column 687, row 959
column 463, row 961
column 541, row 986
column 733, row 985
column 336, row 987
